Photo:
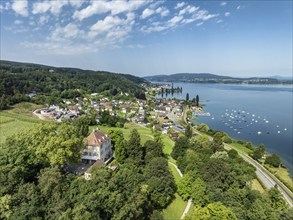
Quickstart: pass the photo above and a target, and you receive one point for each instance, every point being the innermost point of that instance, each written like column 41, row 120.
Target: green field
column 255, row 184
column 175, row 209
column 145, row 133
column 16, row 119
column 177, row 206
column 168, row 147
column 240, row 148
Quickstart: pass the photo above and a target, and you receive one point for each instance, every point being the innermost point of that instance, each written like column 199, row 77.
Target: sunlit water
column 255, row 113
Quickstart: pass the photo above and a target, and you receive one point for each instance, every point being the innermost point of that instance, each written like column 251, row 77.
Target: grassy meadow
column 16, row 119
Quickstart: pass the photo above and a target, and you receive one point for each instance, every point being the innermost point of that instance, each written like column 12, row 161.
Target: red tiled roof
column 97, row 138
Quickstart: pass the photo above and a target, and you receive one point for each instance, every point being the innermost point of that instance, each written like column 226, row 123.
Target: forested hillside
column 20, row 79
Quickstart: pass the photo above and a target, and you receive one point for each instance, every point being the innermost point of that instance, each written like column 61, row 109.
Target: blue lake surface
column 261, row 114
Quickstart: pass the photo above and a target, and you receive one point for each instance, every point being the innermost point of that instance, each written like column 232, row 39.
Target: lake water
column 255, row 113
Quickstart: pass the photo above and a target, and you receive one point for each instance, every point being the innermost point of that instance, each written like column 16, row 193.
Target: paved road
column 189, row 202
column 267, row 178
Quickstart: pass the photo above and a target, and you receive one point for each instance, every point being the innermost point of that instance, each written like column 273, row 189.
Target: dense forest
column 49, row 84
column 35, row 184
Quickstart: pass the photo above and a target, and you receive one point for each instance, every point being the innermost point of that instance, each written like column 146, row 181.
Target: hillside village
column 159, row 113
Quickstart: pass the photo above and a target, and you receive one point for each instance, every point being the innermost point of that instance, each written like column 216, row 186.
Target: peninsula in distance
column 213, row 78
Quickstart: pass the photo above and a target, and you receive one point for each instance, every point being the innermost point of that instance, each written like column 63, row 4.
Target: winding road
column 266, row 177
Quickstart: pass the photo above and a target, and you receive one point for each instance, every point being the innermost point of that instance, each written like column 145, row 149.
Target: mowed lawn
column 178, row 205
column 17, row 119
column 145, row 133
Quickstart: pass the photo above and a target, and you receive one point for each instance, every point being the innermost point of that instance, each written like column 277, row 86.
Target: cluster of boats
column 243, row 121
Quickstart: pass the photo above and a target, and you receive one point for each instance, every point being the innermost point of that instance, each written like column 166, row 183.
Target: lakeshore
column 256, row 100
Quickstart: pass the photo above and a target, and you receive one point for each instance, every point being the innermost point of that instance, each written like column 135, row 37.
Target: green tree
column 213, row 211
column 261, row 210
column 160, row 181
column 134, row 149
column 278, row 203
column 227, row 139
column 82, row 125
column 116, row 136
column 5, row 206
column 181, row 144
column 188, row 131
column 152, row 149
column 197, row 100
column 258, row 152
column 273, row 160
column 158, row 137
column 215, row 173
column 185, row 186
column 217, row 144
column 187, row 97
column 199, row 192
column 233, row 153
column 49, row 181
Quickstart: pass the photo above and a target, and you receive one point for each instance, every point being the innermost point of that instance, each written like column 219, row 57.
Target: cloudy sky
column 236, row 38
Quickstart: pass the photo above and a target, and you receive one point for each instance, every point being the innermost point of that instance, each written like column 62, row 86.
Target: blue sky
column 235, row 38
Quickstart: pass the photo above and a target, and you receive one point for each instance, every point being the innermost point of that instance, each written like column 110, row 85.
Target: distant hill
column 282, row 77
column 213, row 78
column 55, row 83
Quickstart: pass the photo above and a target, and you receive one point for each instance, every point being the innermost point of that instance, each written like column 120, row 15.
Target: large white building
column 98, row 147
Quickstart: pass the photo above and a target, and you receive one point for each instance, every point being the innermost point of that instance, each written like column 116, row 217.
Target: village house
column 98, row 147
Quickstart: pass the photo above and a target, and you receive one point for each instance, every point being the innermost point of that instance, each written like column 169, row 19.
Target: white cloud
column 223, row 3
column 146, row 13
column 219, row 21
column 55, row 7
column 186, row 15
column 204, row 15
column 70, row 31
column 199, row 24
column 112, row 30
column 106, row 24
column 76, row 3
column 179, row 5
column 20, row 7
column 17, row 22
column 227, row 14
column 188, row 20
column 188, row 9
column 5, row 6
column 162, row 11
column 43, row 19
column 238, row 7
column 173, row 21
column 115, row 7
